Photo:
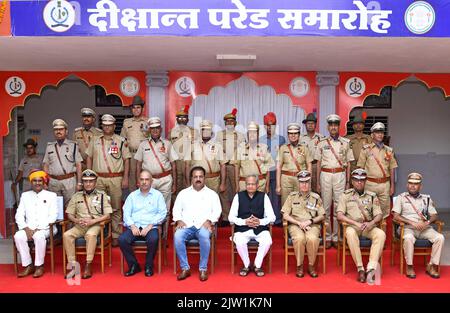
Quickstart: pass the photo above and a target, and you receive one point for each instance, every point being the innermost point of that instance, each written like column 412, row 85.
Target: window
column 103, row 100
column 383, row 101
column 370, row 120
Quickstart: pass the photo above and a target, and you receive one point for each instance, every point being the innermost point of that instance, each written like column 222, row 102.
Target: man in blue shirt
column 143, row 211
column 273, row 142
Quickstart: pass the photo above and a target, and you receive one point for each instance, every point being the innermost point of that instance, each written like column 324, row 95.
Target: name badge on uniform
column 95, row 202
column 365, row 201
column 326, row 147
column 212, row 148
column 114, row 149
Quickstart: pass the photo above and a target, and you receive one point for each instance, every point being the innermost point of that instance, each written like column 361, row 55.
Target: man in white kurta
column 251, row 212
column 37, row 210
column 196, row 209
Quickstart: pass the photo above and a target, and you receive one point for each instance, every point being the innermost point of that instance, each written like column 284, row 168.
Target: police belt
column 163, row 174
column 110, row 175
column 288, row 173
column 381, row 180
column 62, row 177
column 212, row 175
column 333, row 170
column 260, row 177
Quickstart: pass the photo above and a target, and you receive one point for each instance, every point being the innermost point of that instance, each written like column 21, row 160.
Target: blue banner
column 364, row 18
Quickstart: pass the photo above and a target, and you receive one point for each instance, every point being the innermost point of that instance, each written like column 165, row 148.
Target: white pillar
column 157, row 82
column 327, row 82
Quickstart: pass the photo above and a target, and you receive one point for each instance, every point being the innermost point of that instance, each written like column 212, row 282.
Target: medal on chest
column 113, row 149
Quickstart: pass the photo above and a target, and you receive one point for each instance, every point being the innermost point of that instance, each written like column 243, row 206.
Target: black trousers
column 126, row 241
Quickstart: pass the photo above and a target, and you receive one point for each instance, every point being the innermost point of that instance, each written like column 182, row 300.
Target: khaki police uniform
column 333, row 174
column 304, row 208
column 108, row 161
column 292, row 160
column 83, row 205
column 83, row 137
column 62, row 160
column 253, row 160
column 404, row 205
column 230, row 141
column 362, row 208
column 182, row 138
column 134, row 130
column 156, row 157
column 356, row 144
column 312, row 143
column 210, row 156
column 27, row 164
column 378, row 164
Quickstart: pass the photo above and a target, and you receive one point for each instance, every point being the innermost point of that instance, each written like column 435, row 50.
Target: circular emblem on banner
column 299, row 87
column 420, row 17
column 185, row 87
column 15, row 86
column 355, row 87
column 129, row 86
column 59, row 15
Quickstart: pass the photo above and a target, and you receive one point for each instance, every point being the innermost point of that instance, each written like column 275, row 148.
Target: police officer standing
column 31, row 161
column 62, row 161
column 209, row 155
column 333, row 156
column 109, row 157
column 134, row 130
column 358, row 139
column 379, row 162
column 311, row 139
column 230, row 139
column 87, row 209
column 253, row 158
column 182, row 138
column 292, row 158
column 83, row 135
column 361, row 210
column 304, row 212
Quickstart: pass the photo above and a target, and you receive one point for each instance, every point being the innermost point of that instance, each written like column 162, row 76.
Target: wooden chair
column 364, row 243
column 289, row 247
column 193, row 247
column 252, row 248
column 421, row 246
column 104, row 242
column 52, row 241
column 140, row 247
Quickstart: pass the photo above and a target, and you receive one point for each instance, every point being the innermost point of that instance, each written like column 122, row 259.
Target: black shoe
column 135, row 268
column 148, row 271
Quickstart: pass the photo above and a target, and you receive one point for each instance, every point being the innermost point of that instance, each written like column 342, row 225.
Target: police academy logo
column 299, row 87
column 129, row 86
column 185, row 87
column 15, row 86
column 355, row 87
column 420, row 17
column 59, row 15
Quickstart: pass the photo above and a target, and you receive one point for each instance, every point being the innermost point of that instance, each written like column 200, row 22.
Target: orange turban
column 38, row 174
column 270, row 118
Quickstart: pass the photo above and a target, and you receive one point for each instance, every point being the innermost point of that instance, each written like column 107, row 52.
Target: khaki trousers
column 90, row 235
column 378, row 238
column 410, row 236
column 309, row 239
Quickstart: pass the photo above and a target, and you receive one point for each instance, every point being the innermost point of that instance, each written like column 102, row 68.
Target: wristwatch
column 312, row 221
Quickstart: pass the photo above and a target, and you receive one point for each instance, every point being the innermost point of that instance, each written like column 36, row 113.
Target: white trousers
column 242, row 238
column 39, row 238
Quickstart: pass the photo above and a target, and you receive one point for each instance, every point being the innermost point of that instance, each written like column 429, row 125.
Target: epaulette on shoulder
column 348, row 191
column 370, row 193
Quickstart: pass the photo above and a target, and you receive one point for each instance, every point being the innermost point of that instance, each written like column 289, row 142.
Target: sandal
column 244, row 271
column 259, row 272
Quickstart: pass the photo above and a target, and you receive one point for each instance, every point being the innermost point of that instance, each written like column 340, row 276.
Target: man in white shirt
column 252, row 212
column 37, row 210
column 195, row 211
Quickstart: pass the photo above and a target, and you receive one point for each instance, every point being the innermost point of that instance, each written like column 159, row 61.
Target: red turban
column 270, row 118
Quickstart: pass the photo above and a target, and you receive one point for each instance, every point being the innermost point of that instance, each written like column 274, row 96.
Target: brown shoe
column 410, row 272
column 361, row 276
column 184, row 274
column 299, row 272
column 432, row 271
column 312, row 271
column 115, row 242
column 28, row 270
column 87, row 271
column 39, row 271
column 203, row 275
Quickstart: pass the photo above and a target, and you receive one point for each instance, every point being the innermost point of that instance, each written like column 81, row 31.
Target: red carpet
column 223, row 281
